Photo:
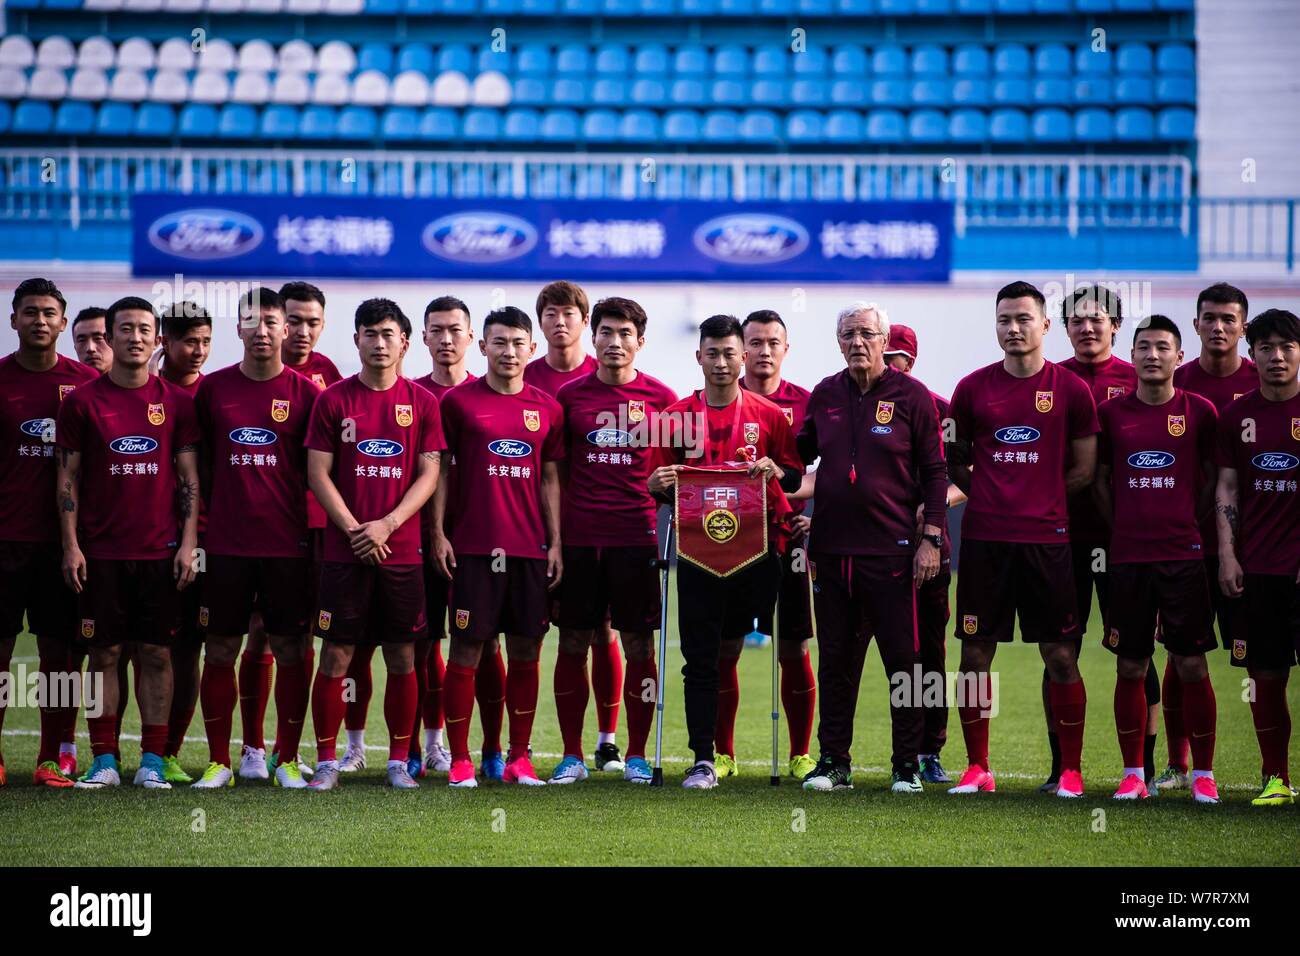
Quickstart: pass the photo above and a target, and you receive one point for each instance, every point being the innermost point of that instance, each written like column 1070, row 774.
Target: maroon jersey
column 499, row 443
column 191, row 389
column 540, row 375
column 1156, row 454
column 27, row 414
column 440, row 391
column 379, row 462
column 322, row 372
column 1268, row 469
column 1020, row 431
column 1106, row 380
column 254, row 433
column 944, row 410
column 609, row 431
column 448, row 473
column 128, row 438
column 873, row 446
column 792, row 399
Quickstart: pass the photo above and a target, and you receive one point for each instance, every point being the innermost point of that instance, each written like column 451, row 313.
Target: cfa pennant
column 405, row 415
column 462, row 619
column 1114, row 391
column 789, row 416
column 1177, row 425
column 635, row 411
column 970, row 623
column 1043, row 401
column 1295, row 428
column 751, row 433
column 323, row 622
column 64, row 390
column 532, row 419
column 87, row 627
column 884, row 412
column 280, row 409
column 157, row 414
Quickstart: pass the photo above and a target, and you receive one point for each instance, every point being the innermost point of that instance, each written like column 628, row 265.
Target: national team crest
column 1114, row 391
column 87, row 627
column 789, row 416
column 721, row 525
column 532, row 419
column 751, row 433
column 1043, row 401
column 1177, row 425
column 1295, row 428
column 1238, row 650
column 884, row 412
column 323, row 622
column 280, row 409
column 462, row 619
column 203, row 617
column 1113, row 637
column 318, row 380
column 635, row 411
column 970, row 623
column 157, row 414
column 64, row 390
column 405, row 415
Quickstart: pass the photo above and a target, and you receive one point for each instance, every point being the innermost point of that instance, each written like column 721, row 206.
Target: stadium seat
column 400, row 124
column 808, row 92
column 730, row 61
column 481, row 125
column 891, row 93
column 889, row 61
column 17, row 51
column 420, row 8
column 1053, row 91
column 330, row 89
column 541, row 8
column 13, row 84
column 1134, row 89
column 497, row 61
column 1175, row 58
column 490, row 89
column 450, row 89
column 736, row 8
column 336, row 57
column 386, row 8
column 523, row 125
column 621, row 8
column 157, row 119
column 566, row 91
column 304, row 8
column 609, row 92
column 1051, row 126
column 698, row 8
column 1134, row 6
column 534, row 60
column 1011, row 59
column 886, row 126
column 968, row 126
column 375, row 56
column 370, row 88
column 118, row 119
column 197, row 121
column 1014, row 8
column 681, row 126
column 649, row 93
column 896, row 8
column 579, row 8
column 409, row 89
column 217, row 55
column 600, row 126
column 439, row 125
column 1009, row 126
column 638, row 126
column 929, row 60
column 933, row 8
column 970, row 93
column 844, row 127
column 1134, row 125
column 1094, row 126
column 804, row 127
column 278, row 122
column 813, row 61
column 290, row 88
column 771, row 61
column 1094, row 6
column 971, row 59
column 1053, row 7
column 691, row 61
column 931, row 92
column 612, row 58
column 1134, row 58
column 89, row 83
column 317, row 123
column 175, row 53
column 451, row 7
column 776, row 8
column 96, row 53
column 59, row 53
column 651, row 60
column 47, row 83
column 721, row 127
column 1175, row 5
column 727, row 93
column 686, row 93
column 256, row 56
column 659, row 8
column 849, row 61
column 758, row 127
column 74, row 118
column 415, row 56
column 249, row 88
column 130, row 86
column 572, row 59
column 927, row 126
column 974, row 7
column 767, row 93
column 1090, row 62
column 455, row 57
column 297, row 56
column 559, row 126
column 236, row 121
column 1176, row 125
column 1176, row 89
column 1052, row 60
column 849, row 93
column 1011, row 92
column 357, row 123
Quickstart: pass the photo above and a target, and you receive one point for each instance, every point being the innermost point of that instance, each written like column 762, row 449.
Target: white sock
column 432, row 738
column 396, row 763
column 357, row 738
column 68, row 749
column 1198, row 774
column 321, row 765
column 604, row 738
column 1138, row 772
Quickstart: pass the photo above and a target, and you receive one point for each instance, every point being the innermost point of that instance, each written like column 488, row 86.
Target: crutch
column 657, row 777
column 776, row 708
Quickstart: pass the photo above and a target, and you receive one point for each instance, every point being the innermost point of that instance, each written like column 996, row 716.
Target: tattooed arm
column 68, row 493
column 187, row 509
column 1229, row 525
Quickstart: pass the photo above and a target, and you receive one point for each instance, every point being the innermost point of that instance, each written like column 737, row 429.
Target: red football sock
column 799, row 700
column 458, row 704
column 522, row 685
column 1272, row 725
column 571, row 693
column 217, row 695
column 183, row 696
column 153, row 738
column 606, row 684
column 254, row 689
column 53, row 719
column 975, row 731
column 359, row 671
column 1171, row 698
column 292, row 682
column 76, row 659
column 435, row 673
column 1069, row 706
column 490, row 690
column 399, row 713
column 327, row 708
column 1130, row 718
column 724, row 733
column 1201, row 713
column 103, row 735
column 640, row 713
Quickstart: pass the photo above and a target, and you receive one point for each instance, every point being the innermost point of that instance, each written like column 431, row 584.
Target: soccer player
column 253, row 418
column 35, row 379
column 373, row 447
column 1258, row 508
column 609, row 529
column 711, row 610
column 1155, row 462
column 932, row 610
column 503, row 553
column 184, row 345
column 766, row 345
column 127, row 481
column 90, row 340
column 1031, row 428
column 1222, row 375
column 876, row 432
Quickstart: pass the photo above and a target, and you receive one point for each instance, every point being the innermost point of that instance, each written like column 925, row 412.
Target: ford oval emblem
column 1151, row 459
column 749, row 239
column 36, row 427
column 133, row 445
column 479, row 237
column 380, row 448
column 1275, row 461
column 1016, row 434
column 609, row 438
column 881, row 430
column 509, row 448
column 205, row 234
column 253, row 436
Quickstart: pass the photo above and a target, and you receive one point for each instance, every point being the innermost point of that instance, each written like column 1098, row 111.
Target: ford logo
column 751, row 239
column 253, row 436
column 509, row 448
column 133, row 445
column 609, row 438
column 36, row 427
column 1275, row 461
column 1016, row 434
column 881, row 430
column 205, row 234
column 1151, row 459
column 380, row 448
column 479, row 237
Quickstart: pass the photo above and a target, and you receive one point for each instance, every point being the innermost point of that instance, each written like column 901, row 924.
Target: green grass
column 745, row 821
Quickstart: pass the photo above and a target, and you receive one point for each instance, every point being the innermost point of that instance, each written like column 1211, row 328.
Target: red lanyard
column 736, row 434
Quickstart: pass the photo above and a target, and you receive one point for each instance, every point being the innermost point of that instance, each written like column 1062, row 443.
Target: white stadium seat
column 256, row 56
column 142, row 6
column 450, row 89
column 370, row 88
column 17, row 51
column 96, row 53
column 290, row 88
column 330, row 89
column 344, row 7
column 48, row 83
column 106, row 6
column 303, row 7
column 176, row 54
column 217, row 54
column 88, row 83
column 251, row 88
column 169, row 86
column 410, row 88
column 491, row 89
column 264, row 6
column 210, row 86
column 129, row 86
column 296, row 56
column 57, row 52
column 136, row 53
column 225, row 6
column 182, row 6
column 13, row 83
column 336, row 57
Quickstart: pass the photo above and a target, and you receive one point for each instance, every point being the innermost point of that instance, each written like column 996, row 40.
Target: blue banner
column 503, row 239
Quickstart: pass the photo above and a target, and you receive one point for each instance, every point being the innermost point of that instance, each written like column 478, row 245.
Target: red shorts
column 998, row 581
column 234, row 585
column 364, row 603
column 128, row 601
column 1174, row 591
column 620, row 585
column 1266, row 626
column 485, row 602
column 31, row 582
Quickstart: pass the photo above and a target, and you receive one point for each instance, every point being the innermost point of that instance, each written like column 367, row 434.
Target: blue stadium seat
column 691, row 61
column 357, row 123
column 36, row 116
column 529, row 91
column 813, row 61
column 420, row 8
column 968, row 126
column 687, row 93
column 1134, row 6
column 1176, row 125
column 896, row 8
column 651, row 60
column 1175, row 58
column 932, row 92
column 730, row 60
column 439, row 124
column 771, row 61
column 539, row 8
column 1013, row 7
column 481, row 125
column 1093, row 6
column 560, row 126
column 612, row 58
column 459, row 7
column 24, row 4
column 806, row 92
column 727, row 93
column 681, row 126
column 1052, row 92
column 971, row 59
column 74, row 118
column 1052, row 59
column 886, row 126
column 1008, row 126
column 1134, row 125
column 115, row 119
column 400, row 124
column 1011, row 92
column 890, row 92
column 1011, row 58
column 386, row 8
column 1051, row 126
column 1090, row 62
column 721, row 126
column 158, row 119
column 375, row 56
column 768, row 93
column 650, row 93
column 929, row 60
column 1098, row 91
column 934, row 8
column 280, row 122
column 845, row 127
column 736, row 8
column 415, row 56
column 1094, row 126
column 927, row 126
column 849, row 93
column 455, row 56
column 1134, row 89
column 970, row 93
column 849, row 60
column 1134, row 58
column 889, row 61
column 600, row 126
column 1176, row 89
column 523, row 126
column 572, row 58
column 1053, row 7
column 776, row 8
column 534, row 60
column 621, row 8
column 1177, row 5
column 758, row 127
column 317, row 122
column 638, row 126
column 660, row 8
column 490, row 59
column 607, row 92
column 197, row 120
column 698, row 8
column 566, row 91
column 62, row 4
column 974, row 7
column 804, row 126
column 579, row 8
column 853, row 8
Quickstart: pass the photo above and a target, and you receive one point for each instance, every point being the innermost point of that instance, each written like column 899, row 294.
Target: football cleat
column 607, row 758
column 353, row 760
column 1171, row 778
column 68, row 765
column 1132, row 787
column 701, row 776
column 1071, row 784
column 326, row 776
column 414, row 766
column 520, row 770
column 932, row 770
column 724, row 765
column 569, row 770
column 493, row 766
column 1205, row 790
column 399, row 778
column 173, row 772
column 48, row 774
column 150, row 774
column 975, row 780
column 461, row 774
column 214, row 778
column 437, row 759
column 101, row 773
column 905, row 783
column 637, row 770
column 829, row 775
column 289, row 776
column 1274, row 794
column 1049, row 785
column 801, row 765
column 252, row 764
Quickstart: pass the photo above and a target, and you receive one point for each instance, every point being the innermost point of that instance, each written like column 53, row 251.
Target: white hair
column 857, row 308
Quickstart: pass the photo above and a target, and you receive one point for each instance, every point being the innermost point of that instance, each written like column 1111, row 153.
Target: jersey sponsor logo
column 721, row 525
column 380, row 447
column 65, row 390
column 1151, row 459
column 87, row 627
column 1177, row 425
column 1113, row 637
column 789, row 415
column 1115, row 391
column 1275, row 461
column 157, row 414
column 751, row 433
column 1017, row 434
column 36, row 427
column 323, row 621
column 205, row 234
column 881, row 430
column 279, row 409
column 1238, row 650
column 609, row 438
column 1295, row 428
column 510, row 448
column 462, row 619
column 1043, row 401
column 479, row 236
column 749, row 239
column 635, row 410
column 203, row 617
column 250, row 435
column 405, row 415
column 970, row 623
column 133, row 445
column 532, row 419
column 884, row 412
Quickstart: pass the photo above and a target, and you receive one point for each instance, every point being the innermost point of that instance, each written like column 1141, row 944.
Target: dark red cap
column 901, row 340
